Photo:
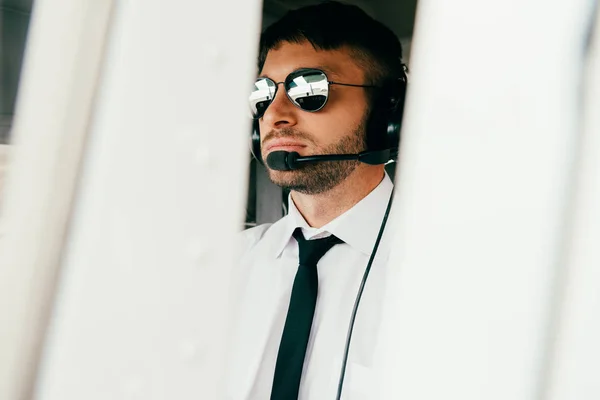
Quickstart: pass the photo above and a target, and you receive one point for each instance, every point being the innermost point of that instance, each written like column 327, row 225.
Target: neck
column 320, row 209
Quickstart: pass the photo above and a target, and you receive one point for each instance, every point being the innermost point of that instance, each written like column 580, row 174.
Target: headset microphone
column 287, row 161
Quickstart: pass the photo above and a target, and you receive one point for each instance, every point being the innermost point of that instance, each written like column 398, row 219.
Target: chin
column 283, row 176
column 284, row 179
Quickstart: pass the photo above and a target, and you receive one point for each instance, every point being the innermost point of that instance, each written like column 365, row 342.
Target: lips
column 283, row 144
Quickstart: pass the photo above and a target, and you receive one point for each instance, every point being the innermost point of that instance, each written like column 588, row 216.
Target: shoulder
column 252, row 245
column 250, row 237
column 261, row 236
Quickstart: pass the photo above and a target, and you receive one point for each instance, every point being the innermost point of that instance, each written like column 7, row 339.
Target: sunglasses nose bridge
column 280, row 111
column 282, row 92
column 277, row 89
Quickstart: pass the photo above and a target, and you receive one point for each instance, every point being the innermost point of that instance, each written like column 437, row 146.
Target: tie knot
column 311, row 251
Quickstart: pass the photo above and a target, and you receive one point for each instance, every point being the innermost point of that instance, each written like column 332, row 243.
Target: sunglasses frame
column 299, row 72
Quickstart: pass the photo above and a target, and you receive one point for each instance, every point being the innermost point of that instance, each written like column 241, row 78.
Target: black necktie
column 292, row 349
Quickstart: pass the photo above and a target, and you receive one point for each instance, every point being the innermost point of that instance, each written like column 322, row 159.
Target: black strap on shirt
column 359, row 296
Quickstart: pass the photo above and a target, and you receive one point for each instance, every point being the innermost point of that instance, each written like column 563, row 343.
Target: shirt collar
column 357, row 227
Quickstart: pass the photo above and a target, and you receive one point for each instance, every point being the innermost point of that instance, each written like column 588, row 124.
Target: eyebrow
column 328, row 71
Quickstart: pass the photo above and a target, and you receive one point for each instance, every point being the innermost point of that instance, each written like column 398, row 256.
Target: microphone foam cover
column 277, row 160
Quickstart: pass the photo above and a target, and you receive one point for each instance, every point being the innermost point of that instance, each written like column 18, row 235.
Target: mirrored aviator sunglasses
column 307, row 89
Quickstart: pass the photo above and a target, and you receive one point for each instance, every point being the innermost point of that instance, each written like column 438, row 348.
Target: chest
column 340, row 273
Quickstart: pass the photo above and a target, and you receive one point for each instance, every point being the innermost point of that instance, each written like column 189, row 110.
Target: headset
column 383, row 130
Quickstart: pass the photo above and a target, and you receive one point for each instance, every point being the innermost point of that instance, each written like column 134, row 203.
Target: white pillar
column 484, row 182
column 141, row 306
column 58, row 84
column 575, row 360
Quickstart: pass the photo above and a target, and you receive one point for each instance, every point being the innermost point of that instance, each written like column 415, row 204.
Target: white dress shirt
column 267, row 270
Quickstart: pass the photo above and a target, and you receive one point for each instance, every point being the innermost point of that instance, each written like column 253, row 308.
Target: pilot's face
column 338, row 128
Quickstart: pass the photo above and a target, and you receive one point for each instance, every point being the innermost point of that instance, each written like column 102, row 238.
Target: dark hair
column 332, row 25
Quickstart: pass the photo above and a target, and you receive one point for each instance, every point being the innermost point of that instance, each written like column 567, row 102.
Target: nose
column 281, row 113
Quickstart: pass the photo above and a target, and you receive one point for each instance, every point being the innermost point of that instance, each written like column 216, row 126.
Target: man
column 331, row 82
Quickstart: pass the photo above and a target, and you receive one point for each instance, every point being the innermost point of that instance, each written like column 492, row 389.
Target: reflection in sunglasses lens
column 311, row 103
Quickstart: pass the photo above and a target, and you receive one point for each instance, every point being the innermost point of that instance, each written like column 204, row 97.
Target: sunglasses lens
column 261, row 96
column 308, row 89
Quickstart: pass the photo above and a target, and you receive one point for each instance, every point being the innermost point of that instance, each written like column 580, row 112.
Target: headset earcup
column 385, row 121
column 255, row 141
column 394, row 123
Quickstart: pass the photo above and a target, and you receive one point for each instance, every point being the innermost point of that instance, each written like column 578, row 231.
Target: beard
column 321, row 177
